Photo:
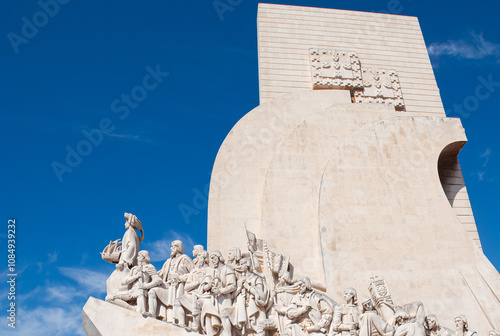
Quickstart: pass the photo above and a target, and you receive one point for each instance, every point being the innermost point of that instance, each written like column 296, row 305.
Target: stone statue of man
column 141, row 278
column 346, row 316
column 370, row 322
column 494, row 332
column 130, row 241
column 308, row 311
column 407, row 326
column 249, row 300
column 462, row 327
column 433, row 328
column 171, row 273
column 190, row 300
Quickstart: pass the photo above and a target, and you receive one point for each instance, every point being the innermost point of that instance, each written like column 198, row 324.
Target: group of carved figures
column 246, row 295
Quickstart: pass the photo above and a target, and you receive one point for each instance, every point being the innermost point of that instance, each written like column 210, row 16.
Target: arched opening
column 452, row 181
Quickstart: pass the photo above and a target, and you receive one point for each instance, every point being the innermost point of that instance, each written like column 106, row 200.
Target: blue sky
column 193, row 74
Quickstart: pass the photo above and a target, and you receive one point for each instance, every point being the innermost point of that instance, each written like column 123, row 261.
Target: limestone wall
column 285, row 34
column 352, row 190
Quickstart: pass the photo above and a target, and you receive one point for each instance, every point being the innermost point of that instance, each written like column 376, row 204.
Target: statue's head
column 234, row 254
column 401, row 316
column 203, row 259
column 350, row 295
column 366, row 304
column 216, row 258
column 494, row 332
column 176, row 248
column 245, row 264
column 132, row 221
column 431, row 322
column 304, row 284
column 197, row 250
column 461, row 322
column 143, row 257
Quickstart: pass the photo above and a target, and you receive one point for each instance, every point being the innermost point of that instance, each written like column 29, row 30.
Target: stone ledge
column 100, row 318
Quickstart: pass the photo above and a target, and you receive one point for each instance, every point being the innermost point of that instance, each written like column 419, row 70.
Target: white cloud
column 37, row 292
column 90, row 281
column 137, row 138
column 159, row 250
column 58, row 307
column 85, row 255
column 486, row 156
column 61, row 293
column 123, row 136
column 484, row 174
column 52, row 257
column 48, row 321
column 477, row 48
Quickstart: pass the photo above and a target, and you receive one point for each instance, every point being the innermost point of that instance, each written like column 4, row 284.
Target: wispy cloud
column 123, row 136
column 130, row 137
column 476, row 47
column 486, row 156
column 159, row 250
column 50, row 321
column 59, row 314
column 486, row 159
column 52, row 257
column 37, row 292
column 62, row 293
column 90, row 281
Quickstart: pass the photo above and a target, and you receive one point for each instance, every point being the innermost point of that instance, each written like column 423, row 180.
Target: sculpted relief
column 333, row 69
column 254, row 292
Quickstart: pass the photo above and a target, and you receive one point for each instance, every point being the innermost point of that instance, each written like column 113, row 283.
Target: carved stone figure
column 308, row 311
column 218, row 285
column 367, row 305
column 494, row 332
column 140, row 279
column 380, row 294
column 189, row 302
column 282, row 295
column 171, row 273
column 371, row 322
column 233, row 258
column 462, row 326
column 433, row 328
column 127, row 255
column 406, row 326
column 208, row 296
column 346, row 316
column 249, row 300
column 130, row 241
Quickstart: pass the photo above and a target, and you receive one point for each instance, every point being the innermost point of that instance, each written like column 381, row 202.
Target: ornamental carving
column 332, row 69
column 335, row 69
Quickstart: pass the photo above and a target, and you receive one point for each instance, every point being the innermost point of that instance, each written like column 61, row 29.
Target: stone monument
column 345, row 176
